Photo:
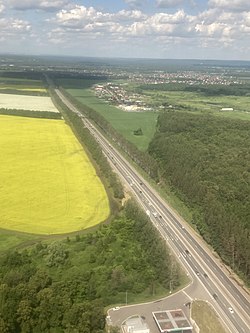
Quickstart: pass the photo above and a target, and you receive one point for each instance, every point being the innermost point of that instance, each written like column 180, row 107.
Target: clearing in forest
column 48, row 184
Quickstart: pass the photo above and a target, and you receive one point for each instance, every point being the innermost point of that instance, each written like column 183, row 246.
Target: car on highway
column 215, row 296
column 116, row 308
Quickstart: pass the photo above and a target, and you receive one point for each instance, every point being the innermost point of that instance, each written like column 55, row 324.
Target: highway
column 231, row 302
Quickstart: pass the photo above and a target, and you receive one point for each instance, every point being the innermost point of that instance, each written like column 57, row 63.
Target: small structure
column 227, row 109
column 169, row 321
column 135, row 324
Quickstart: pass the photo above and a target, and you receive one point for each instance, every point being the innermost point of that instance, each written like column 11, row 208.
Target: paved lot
column 176, row 301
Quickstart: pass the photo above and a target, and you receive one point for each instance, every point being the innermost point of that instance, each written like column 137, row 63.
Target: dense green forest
column 63, row 286
column 207, row 161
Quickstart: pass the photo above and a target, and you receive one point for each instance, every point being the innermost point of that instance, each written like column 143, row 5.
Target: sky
column 166, row 29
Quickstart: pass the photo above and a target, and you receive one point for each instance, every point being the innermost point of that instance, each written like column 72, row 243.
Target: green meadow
column 48, row 184
column 197, row 102
column 124, row 122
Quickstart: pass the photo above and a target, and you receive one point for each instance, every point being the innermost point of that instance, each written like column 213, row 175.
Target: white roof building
column 227, row 109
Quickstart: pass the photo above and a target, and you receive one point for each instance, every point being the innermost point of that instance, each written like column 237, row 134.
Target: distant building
column 227, row 109
column 135, row 324
column 170, row 321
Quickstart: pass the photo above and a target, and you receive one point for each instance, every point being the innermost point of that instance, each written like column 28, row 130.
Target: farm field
column 22, row 85
column 24, row 102
column 124, row 122
column 196, row 102
column 18, row 88
column 48, row 184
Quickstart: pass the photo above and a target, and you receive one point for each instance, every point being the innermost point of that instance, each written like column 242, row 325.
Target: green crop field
column 124, row 122
column 47, row 183
column 21, row 86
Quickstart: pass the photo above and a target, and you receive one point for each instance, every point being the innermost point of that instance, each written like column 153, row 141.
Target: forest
column 206, row 161
column 64, row 285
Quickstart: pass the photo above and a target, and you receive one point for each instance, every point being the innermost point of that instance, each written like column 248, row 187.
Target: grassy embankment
column 206, row 318
column 48, row 185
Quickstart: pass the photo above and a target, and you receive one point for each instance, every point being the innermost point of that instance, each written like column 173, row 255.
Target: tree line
column 32, row 114
column 206, row 160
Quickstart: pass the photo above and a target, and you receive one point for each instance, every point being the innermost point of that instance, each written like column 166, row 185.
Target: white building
column 135, row 324
column 227, row 109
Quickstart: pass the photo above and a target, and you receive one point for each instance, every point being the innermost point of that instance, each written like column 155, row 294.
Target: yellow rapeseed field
column 47, row 183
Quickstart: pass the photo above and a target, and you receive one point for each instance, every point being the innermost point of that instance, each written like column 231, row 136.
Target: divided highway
column 231, row 302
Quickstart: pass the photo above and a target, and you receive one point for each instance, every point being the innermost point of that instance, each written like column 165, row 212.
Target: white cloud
column 163, row 18
column 231, row 5
column 82, row 16
column 77, row 15
column 130, row 15
column 72, row 25
column 2, row 7
column 48, row 5
column 14, row 26
column 212, row 23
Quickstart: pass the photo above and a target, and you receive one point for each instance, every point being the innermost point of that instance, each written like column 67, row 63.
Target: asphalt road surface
column 210, row 280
